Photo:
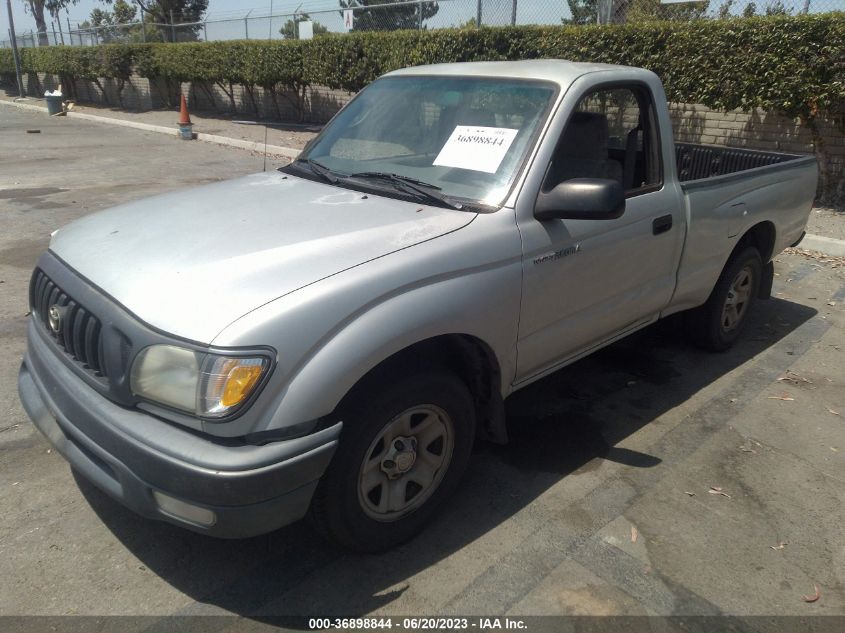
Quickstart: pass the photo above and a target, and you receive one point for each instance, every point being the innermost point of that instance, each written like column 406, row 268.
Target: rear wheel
column 718, row 323
column 403, row 449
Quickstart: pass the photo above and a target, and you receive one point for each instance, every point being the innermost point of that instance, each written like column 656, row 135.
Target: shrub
column 7, row 62
column 794, row 65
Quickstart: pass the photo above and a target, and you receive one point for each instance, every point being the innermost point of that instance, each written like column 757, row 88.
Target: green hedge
column 792, row 65
column 114, row 61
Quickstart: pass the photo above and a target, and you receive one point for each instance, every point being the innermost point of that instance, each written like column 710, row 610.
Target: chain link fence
column 317, row 17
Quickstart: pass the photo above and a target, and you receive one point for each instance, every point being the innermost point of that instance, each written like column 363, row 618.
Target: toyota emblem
column 55, row 319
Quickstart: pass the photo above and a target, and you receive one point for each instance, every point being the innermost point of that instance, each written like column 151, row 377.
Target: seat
column 452, row 116
column 477, row 117
column 631, row 149
column 582, row 152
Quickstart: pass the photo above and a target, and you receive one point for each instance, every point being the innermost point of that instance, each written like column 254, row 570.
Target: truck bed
column 727, row 191
column 708, row 161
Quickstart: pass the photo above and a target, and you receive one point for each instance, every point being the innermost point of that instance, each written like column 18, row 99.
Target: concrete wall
column 759, row 129
column 137, row 93
column 693, row 123
column 317, row 105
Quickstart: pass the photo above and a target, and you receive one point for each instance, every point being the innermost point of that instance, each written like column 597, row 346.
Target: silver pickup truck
column 330, row 338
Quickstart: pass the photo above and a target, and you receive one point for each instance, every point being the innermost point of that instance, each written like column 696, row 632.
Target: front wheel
column 717, row 324
column 403, row 449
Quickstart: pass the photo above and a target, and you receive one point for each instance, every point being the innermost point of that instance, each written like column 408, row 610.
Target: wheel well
column 762, row 237
column 467, row 356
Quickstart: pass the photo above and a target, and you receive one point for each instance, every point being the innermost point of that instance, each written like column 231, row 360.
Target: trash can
column 54, row 104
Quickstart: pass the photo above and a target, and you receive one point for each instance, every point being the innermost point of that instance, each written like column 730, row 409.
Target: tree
column 124, row 13
column 110, row 25
column 165, row 12
column 37, row 9
column 776, row 8
column 581, row 12
column 290, row 30
column 649, row 10
column 403, row 16
column 596, row 12
column 750, row 10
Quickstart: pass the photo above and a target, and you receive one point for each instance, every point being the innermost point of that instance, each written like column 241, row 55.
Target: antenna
column 269, row 38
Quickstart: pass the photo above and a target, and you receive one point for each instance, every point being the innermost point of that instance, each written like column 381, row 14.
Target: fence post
column 478, row 15
column 205, row 31
column 69, row 32
column 420, row 9
column 513, row 13
column 61, row 34
column 246, row 23
column 143, row 29
column 172, row 27
column 604, row 12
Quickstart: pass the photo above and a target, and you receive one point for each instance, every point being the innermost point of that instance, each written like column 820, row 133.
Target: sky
column 451, row 11
column 82, row 9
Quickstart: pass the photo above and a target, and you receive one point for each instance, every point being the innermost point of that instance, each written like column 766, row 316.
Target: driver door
column 588, row 281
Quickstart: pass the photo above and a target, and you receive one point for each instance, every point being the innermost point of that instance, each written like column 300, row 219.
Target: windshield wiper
column 320, row 169
column 411, row 185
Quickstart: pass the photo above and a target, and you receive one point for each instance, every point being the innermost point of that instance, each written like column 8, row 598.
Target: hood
column 192, row 262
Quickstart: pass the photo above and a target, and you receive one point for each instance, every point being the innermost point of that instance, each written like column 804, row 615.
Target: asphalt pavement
column 649, row 479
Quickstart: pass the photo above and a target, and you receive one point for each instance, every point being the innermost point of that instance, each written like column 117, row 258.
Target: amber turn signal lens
column 239, row 384
column 227, row 382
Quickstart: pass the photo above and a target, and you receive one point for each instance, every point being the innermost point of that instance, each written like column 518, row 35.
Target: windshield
column 466, row 137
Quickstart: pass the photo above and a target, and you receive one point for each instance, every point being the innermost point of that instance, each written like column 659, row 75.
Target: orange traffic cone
column 184, row 117
column 185, row 124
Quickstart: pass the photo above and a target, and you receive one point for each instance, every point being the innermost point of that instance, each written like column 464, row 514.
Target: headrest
column 477, row 116
column 586, row 136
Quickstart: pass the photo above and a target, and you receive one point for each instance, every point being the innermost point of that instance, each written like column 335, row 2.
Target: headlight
column 208, row 385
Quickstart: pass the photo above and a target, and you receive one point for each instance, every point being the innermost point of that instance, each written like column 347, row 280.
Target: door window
column 611, row 134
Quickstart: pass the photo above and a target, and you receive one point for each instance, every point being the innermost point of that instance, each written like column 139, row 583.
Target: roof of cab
column 556, row 70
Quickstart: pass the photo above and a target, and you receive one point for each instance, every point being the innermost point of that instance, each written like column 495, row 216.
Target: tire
column 384, row 482
column 718, row 324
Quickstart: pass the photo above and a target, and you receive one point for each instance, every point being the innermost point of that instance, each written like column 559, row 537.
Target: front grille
column 79, row 333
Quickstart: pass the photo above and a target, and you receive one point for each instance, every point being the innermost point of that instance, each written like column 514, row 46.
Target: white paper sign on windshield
column 476, row 148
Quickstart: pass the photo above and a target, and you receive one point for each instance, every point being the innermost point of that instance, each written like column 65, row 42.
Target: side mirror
column 582, row 199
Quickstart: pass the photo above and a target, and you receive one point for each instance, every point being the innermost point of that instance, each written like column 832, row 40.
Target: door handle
column 661, row 224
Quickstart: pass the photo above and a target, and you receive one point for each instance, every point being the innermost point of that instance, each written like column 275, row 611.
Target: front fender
column 330, row 334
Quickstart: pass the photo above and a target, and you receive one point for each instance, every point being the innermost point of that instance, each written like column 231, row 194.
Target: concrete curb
column 24, row 106
column 253, row 146
column 827, row 245
column 276, row 150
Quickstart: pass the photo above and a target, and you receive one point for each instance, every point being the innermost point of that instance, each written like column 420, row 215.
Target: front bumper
column 130, row 455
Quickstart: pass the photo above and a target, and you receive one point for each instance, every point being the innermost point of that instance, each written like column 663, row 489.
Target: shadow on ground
column 562, row 426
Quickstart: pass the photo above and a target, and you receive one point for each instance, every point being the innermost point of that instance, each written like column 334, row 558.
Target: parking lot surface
column 648, row 479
